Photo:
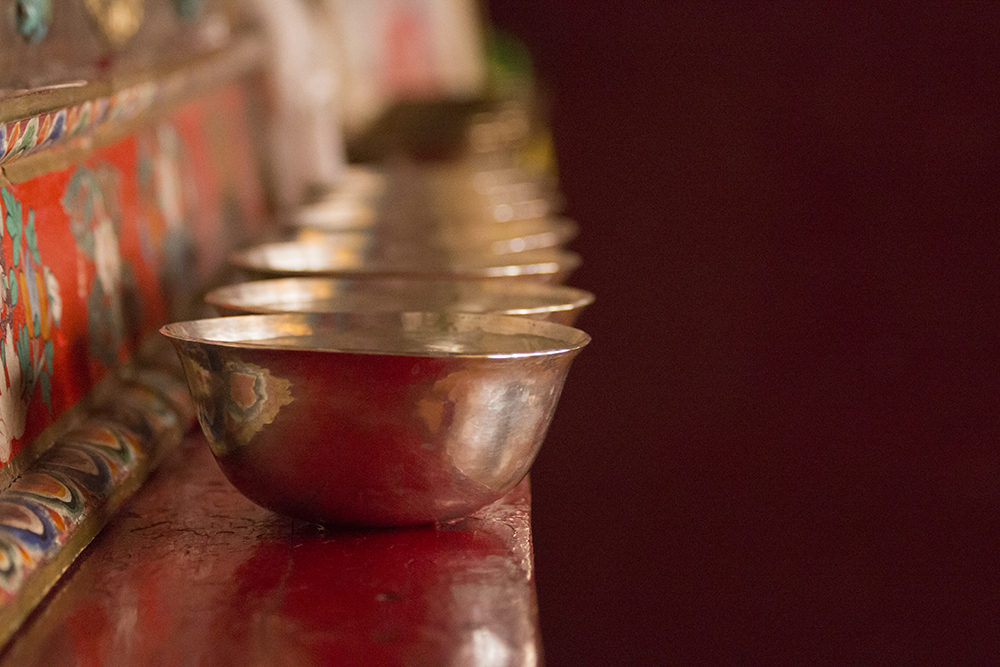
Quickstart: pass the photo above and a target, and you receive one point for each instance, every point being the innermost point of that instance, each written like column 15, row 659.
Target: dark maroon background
column 783, row 444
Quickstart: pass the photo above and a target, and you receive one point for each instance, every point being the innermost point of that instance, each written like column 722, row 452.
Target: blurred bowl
column 496, row 239
column 464, row 191
column 336, row 212
column 359, row 259
column 383, row 419
column 459, row 192
column 442, row 128
column 354, row 204
column 554, row 303
column 407, row 195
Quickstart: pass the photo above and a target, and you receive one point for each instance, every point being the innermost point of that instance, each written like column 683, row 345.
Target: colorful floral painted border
column 95, row 254
column 100, row 253
column 36, row 132
column 30, row 135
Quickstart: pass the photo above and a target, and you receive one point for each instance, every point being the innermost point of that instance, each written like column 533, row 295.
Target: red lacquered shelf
column 189, row 572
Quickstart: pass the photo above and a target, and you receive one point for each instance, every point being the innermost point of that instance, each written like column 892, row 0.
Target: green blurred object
column 419, row 128
column 189, row 9
column 509, row 63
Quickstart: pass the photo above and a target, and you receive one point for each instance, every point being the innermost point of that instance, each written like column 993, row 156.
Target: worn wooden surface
column 191, row 573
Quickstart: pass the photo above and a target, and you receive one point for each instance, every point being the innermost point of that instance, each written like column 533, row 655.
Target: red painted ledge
column 189, row 572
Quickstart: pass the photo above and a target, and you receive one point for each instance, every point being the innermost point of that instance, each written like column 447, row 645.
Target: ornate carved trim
column 52, row 511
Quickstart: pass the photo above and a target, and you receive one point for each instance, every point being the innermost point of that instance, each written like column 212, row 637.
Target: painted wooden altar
column 140, row 142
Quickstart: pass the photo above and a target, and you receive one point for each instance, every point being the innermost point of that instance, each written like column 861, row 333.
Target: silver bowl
column 404, row 196
column 555, row 303
column 354, row 204
column 464, row 191
column 381, row 419
column 358, row 258
column 396, row 238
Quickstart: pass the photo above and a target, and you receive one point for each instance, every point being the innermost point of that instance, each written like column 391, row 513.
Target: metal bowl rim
column 552, row 260
column 556, row 230
column 575, row 298
column 572, row 339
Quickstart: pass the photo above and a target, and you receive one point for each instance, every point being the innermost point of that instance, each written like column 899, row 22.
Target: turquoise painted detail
column 189, row 9
column 33, row 18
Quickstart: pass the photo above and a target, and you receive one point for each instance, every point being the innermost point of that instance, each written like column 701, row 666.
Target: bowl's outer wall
column 372, row 439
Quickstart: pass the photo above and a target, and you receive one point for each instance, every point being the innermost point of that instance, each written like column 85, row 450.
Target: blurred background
column 782, row 445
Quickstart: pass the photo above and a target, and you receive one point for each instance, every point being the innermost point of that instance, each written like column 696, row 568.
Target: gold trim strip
column 25, row 104
column 169, row 87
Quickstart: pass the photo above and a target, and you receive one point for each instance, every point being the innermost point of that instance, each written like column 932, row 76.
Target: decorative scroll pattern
column 43, row 507
column 131, row 420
